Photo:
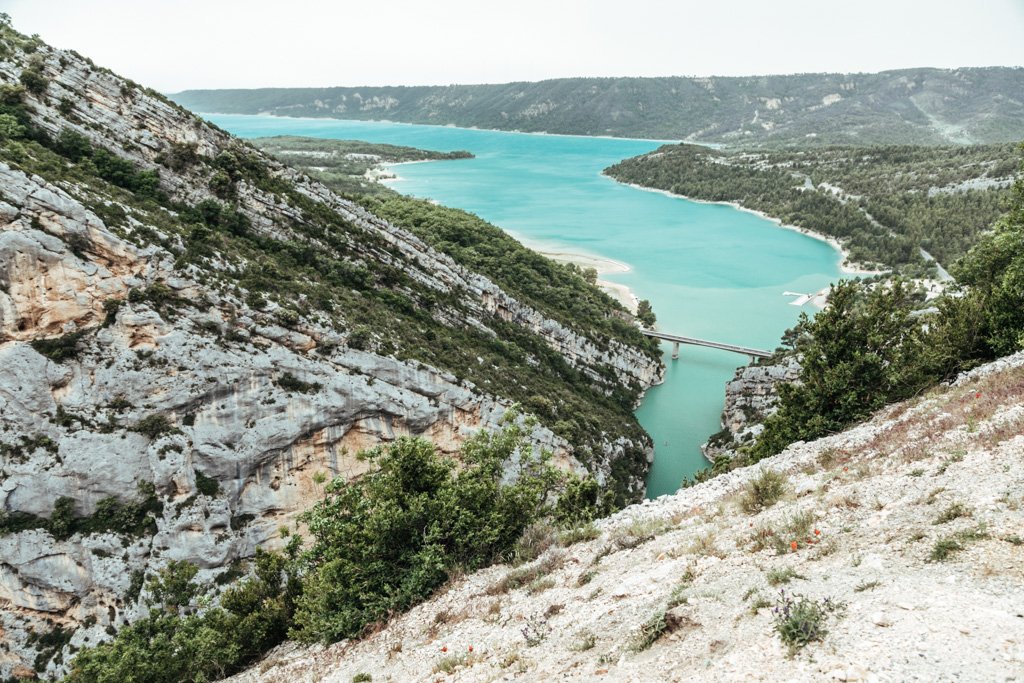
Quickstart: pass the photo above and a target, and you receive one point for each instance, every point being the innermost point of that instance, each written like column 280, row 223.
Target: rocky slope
column 179, row 365
column 909, row 106
column 910, row 525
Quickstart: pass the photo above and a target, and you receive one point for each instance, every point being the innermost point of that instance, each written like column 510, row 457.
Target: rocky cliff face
column 750, row 397
column 125, row 362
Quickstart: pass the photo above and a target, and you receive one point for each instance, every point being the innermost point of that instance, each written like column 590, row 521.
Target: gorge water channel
column 710, row 271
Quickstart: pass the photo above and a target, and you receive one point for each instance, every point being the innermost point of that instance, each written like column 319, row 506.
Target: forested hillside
column 911, row 106
column 883, row 203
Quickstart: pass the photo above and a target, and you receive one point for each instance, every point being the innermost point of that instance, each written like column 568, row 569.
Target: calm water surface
column 710, row 271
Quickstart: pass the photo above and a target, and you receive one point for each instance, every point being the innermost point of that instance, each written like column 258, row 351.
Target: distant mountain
column 919, row 106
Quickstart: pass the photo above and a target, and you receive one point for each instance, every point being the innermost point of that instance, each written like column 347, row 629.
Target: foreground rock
column 912, row 523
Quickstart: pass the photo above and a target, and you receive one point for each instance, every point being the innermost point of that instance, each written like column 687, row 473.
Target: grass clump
column 945, row 548
column 649, row 632
column 583, row 641
column 362, row 677
column 954, row 511
column 534, row 542
column 527, row 576
column 678, row 596
column 587, row 532
column 706, row 545
column 777, row 577
column 866, row 586
column 763, row 491
column 540, row 585
column 450, row 663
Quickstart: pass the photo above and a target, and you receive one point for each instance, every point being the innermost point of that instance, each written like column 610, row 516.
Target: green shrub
column 167, row 647
column 206, row 485
column 131, row 518
column 60, row 349
column 155, row 426
column 33, row 80
column 390, row 538
column 290, row 382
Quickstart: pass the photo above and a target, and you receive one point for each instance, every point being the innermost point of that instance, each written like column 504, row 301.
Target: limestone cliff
column 750, row 397
column 144, row 341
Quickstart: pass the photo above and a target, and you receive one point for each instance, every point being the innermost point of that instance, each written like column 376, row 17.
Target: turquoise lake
column 710, row 271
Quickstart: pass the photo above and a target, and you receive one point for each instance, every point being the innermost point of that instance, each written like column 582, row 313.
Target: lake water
column 710, row 271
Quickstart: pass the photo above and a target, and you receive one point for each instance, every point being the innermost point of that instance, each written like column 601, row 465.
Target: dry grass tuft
column 764, row 491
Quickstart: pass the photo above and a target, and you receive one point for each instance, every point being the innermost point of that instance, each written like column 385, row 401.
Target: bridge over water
column 677, row 339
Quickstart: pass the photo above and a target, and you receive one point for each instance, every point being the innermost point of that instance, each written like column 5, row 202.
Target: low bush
column 799, row 620
column 763, row 491
column 60, row 349
column 155, row 426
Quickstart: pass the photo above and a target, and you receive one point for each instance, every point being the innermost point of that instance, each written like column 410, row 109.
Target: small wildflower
column 817, row 532
column 470, row 648
column 977, row 395
column 846, row 469
column 793, row 546
column 444, row 648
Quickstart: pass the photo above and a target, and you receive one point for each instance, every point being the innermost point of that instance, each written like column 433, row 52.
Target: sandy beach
column 845, row 264
column 602, row 265
column 383, row 174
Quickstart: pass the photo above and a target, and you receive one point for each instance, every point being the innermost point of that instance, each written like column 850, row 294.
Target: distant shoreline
column 451, row 125
column 846, row 265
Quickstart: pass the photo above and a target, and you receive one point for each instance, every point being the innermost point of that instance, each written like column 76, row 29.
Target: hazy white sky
column 176, row 44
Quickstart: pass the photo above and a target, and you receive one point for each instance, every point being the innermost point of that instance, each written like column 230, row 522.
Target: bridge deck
column 746, row 351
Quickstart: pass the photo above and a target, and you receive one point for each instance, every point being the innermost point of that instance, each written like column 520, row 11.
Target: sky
column 173, row 45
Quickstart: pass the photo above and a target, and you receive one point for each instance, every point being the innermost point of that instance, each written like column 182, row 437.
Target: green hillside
column 883, row 203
